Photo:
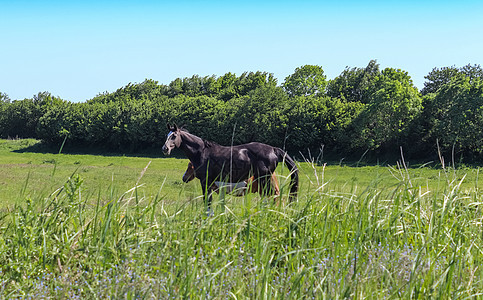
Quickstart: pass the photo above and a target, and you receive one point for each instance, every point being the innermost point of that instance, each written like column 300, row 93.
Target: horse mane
column 207, row 143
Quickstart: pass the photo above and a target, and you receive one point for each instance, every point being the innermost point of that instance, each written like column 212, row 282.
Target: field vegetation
column 89, row 208
column 100, row 226
column 363, row 110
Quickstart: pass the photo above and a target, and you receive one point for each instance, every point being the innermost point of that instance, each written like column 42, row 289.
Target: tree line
column 361, row 110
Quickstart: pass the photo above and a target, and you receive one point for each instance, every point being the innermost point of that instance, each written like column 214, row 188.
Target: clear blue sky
column 78, row 49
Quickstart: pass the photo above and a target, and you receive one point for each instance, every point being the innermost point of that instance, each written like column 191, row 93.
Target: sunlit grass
column 372, row 232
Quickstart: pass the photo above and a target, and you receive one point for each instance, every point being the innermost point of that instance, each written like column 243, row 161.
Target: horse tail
column 294, row 171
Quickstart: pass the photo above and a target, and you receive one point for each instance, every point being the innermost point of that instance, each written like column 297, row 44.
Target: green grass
column 369, row 232
column 37, row 174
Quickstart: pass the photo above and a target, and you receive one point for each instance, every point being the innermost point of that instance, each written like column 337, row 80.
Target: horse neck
column 191, row 145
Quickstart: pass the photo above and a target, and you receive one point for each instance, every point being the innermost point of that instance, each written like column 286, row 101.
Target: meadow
column 107, row 226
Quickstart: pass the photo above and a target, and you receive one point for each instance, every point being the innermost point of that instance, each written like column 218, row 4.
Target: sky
column 78, row 49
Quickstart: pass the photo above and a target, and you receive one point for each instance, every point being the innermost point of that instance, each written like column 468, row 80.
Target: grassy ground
column 73, row 226
column 28, row 174
column 33, row 174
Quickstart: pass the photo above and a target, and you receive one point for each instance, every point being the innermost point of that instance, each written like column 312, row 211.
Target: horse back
column 240, row 161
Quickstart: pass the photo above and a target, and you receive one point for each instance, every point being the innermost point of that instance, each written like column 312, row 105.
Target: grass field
column 92, row 226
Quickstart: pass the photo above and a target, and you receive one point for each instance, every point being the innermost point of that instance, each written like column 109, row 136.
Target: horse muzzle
column 166, row 150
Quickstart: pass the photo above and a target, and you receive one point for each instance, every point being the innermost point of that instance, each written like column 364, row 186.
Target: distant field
column 35, row 174
column 126, row 227
column 31, row 174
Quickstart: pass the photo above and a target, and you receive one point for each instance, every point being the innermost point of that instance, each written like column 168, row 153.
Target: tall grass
column 404, row 241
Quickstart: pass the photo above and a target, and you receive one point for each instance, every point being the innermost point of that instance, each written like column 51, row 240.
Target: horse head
column 189, row 174
column 173, row 140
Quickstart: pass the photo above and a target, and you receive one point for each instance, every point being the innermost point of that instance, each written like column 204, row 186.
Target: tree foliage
column 4, row 98
column 354, row 85
column 456, row 114
column 361, row 109
column 306, row 81
column 438, row 77
column 393, row 103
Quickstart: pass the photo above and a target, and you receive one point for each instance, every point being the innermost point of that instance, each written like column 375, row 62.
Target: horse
column 213, row 162
column 236, row 189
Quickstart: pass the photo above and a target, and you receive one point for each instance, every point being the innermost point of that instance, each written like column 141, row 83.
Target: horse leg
column 207, row 196
column 269, row 187
column 276, row 188
column 252, row 185
column 264, row 188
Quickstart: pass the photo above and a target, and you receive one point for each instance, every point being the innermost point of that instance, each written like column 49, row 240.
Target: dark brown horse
column 213, row 162
column 236, row 189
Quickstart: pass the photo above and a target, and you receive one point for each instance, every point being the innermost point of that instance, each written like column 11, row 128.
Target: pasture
column 92, row 226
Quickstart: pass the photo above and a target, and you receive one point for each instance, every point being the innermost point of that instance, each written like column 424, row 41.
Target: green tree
column 393, row 103
column 198, row 115
column 4, row 98
column 53, row 126
column 437, row 78
column 316, row 121
column 441, row 76
column 175, row 87
column 354, row 84
column 209, row 86
column 305, row 81
column 231, row 86
column 20, row 117
column 146, row 90
column 250, row 81
column 261, row 116
column 4, row 104
column 227, row 84
column 456, row 114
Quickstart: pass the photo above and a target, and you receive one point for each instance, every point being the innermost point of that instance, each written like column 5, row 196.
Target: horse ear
column 175, row 127
column 168, row 126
